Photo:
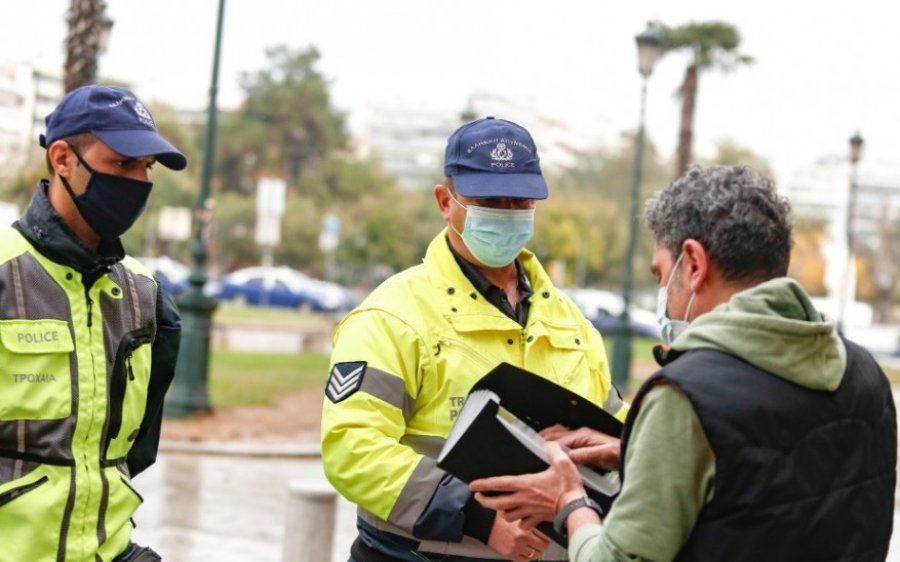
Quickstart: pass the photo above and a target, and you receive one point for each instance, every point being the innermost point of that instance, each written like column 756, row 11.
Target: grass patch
column 257, row 379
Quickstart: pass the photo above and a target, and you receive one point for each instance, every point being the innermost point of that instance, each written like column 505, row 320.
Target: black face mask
column 110, row 204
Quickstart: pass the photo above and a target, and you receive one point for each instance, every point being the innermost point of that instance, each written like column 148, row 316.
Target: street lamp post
column 649, row 44
column 847, row 289
column 189, row 394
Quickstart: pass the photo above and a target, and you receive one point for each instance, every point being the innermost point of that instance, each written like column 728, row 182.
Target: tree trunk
column 83, row 42
column 688, row 94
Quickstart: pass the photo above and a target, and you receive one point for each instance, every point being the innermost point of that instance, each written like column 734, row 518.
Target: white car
column 603, row 308
column 171, row 274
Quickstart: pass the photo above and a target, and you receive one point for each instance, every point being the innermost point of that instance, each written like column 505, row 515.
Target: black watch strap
column 559, row 522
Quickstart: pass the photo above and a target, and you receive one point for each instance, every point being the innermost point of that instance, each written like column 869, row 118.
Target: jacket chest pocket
column 558, row 352
column 128, row 384
column 35, row 373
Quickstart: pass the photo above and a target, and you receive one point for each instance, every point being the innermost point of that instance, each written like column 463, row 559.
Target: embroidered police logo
column 501, row 153
column 344, row 380
column 143, row 115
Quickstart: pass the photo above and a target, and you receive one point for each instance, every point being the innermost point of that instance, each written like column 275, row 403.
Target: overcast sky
column 823, row 69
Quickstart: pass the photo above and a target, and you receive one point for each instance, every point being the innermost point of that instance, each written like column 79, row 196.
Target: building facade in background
column 27, row 94
column 409, row 138
column 822, row 191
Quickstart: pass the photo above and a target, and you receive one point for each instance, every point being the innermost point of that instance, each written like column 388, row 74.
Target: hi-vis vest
column 74, row 372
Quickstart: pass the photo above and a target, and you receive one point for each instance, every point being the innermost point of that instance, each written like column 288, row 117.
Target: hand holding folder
column 496, row 431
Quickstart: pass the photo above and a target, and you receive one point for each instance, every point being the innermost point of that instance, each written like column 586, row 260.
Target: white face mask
column 671, row 329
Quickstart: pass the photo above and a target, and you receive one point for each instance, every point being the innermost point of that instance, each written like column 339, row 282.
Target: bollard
column 309, row 521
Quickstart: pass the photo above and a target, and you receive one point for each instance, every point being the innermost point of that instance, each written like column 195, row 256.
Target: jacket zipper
column 90, row 306
column 122, row 372
column 10, row 495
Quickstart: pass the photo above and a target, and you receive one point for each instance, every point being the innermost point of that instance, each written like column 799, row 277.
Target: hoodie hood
column 775, row 327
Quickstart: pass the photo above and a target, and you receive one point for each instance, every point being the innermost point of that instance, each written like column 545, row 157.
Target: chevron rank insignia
column 344, row 380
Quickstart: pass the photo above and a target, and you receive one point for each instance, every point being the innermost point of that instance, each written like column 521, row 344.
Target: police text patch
column 344, row 380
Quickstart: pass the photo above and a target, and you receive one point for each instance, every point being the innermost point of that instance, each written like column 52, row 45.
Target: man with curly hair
column 764, row 436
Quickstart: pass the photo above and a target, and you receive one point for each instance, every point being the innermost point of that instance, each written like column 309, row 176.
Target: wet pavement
column 231, row 507
column 225, row 508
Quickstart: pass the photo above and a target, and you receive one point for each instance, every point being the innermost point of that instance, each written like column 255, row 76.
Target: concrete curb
column 304, row 451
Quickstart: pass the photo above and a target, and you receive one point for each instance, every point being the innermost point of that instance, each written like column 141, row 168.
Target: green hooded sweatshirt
column 670, row 464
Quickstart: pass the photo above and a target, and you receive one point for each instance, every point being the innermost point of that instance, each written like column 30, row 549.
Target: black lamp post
column 856, row 146
column 650, row 46
column 189, row 394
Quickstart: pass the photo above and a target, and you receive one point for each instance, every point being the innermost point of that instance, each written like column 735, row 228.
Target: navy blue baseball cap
column 494, row 158
column 116, row 117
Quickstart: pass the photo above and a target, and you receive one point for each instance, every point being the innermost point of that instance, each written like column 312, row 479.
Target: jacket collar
column 45, row 229
column 459, row 298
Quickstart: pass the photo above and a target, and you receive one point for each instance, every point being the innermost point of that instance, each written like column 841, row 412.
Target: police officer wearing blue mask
column 88, row 340
column 405, row 359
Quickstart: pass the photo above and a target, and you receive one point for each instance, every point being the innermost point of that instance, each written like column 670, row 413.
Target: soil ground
column 293, row 418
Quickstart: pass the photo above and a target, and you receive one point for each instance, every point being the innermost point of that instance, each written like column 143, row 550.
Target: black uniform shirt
column 494, row 294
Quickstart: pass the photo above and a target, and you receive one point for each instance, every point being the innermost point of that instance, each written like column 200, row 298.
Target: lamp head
column 650, row 47
column 856, row 146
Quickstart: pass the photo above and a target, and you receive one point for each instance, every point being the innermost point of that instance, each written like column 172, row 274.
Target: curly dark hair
column 743, row 224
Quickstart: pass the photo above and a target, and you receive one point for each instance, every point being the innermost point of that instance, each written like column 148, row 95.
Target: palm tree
column 712, row 45
column 88, row 28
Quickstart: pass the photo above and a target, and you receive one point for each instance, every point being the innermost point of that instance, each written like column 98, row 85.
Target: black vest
column 800, row 474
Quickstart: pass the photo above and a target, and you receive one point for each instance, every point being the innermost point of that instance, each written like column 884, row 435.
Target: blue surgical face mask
column 671, row 329
column 495, row 236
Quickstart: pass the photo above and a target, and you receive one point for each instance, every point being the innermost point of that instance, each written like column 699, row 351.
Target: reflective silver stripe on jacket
column 390, row 389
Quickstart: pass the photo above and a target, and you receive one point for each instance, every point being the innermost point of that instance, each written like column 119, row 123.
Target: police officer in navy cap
column 405, row 359
column 88, row 340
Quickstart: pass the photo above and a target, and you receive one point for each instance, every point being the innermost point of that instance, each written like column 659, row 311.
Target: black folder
column 540, row 402
column 489, row 440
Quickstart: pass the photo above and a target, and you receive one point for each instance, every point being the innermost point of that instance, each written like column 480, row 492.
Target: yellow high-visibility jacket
column 87, row 351
column 402, row 364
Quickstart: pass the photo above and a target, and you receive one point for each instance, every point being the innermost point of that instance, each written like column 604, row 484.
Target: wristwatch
column 559, row 522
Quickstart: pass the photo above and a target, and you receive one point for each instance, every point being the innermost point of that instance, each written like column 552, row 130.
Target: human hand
column 587, row 446
column 531, row 498
column 515, row 542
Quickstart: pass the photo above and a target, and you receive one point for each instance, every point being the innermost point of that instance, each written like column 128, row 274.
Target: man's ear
column 697, row 263
column 442, row 197
column 61, row 158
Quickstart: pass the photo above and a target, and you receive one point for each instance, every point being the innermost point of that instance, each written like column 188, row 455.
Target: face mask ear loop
column 68, row 187
column 81, row 161
column 672, row 274
column 466, row 209
column 687, row 312
column 455, row 200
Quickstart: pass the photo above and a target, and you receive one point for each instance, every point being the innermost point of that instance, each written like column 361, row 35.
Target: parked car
column 603, row 308
column 172, row 275
column 284, row 287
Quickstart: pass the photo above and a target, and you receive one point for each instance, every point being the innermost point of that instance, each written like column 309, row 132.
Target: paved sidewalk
column 226, row 507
